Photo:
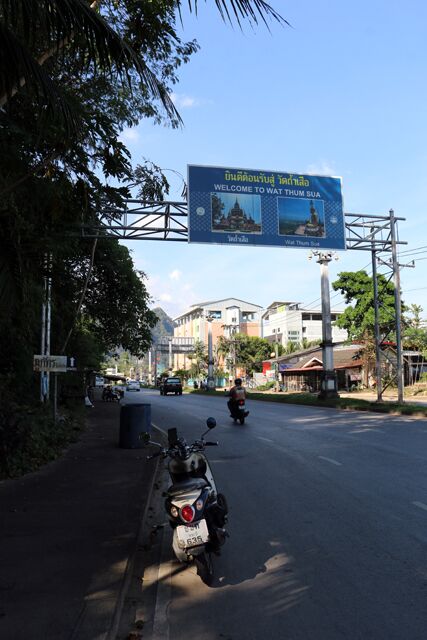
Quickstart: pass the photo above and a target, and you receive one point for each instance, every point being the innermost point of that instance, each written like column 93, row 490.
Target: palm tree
column 31, row 33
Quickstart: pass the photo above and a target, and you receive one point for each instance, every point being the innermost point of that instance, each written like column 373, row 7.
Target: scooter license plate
column 193, row 535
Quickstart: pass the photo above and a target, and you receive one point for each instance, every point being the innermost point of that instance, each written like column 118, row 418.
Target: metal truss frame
column 140, row 220
column 168, row 221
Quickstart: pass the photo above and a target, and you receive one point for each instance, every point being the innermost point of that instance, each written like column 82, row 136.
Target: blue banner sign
column 264, row 208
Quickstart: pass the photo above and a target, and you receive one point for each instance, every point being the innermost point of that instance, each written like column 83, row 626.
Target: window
column 215, row 314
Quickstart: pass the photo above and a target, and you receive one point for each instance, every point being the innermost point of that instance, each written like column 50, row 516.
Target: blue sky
column 342, row 93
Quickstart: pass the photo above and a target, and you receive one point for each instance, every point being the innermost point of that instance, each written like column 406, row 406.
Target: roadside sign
column 50, row 363
column 265, row 208
column 71, row 364
column 57, row 364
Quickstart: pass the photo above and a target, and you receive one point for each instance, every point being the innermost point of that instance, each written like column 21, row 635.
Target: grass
column 345, row 404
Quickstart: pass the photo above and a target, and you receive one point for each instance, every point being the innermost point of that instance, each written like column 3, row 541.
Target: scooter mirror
column 211, row 423
column 172, row 436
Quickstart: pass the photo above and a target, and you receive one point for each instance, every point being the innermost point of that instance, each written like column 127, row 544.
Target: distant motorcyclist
column 236, row 393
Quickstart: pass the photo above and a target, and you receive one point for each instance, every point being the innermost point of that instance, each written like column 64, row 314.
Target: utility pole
column 211, row 379
column 45, row 325
column 170, row 354
column 329, row 381
column 150, row 374
column 397, row 307
column 377, row 327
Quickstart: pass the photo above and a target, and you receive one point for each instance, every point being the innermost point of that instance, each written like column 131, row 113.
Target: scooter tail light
column 187, row 513
column 241, row 402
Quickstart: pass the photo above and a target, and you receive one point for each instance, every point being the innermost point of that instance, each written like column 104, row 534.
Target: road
column 328, row 526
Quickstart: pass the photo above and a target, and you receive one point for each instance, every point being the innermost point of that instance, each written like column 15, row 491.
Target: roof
column 209, row 303
column 344, row 357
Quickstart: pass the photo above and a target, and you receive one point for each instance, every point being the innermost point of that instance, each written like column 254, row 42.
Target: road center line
column 338, row 464
column 265, row 439
column 421, row 505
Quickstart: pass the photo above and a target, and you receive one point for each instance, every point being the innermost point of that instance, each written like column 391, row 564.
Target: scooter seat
column 192, row 484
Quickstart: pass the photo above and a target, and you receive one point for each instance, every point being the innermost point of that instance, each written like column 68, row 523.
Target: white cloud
column 323, row 168
column 130, row 134
column 165, row 297
column 182, row 101
column 175, row 274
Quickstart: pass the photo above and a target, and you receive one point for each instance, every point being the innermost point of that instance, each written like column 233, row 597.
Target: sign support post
column 329, row 379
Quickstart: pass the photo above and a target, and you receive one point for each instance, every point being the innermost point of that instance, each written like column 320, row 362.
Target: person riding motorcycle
column 236, row 393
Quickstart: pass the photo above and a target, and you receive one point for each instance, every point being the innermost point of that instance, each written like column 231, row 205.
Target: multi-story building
column 227, row 317
column 285, row 322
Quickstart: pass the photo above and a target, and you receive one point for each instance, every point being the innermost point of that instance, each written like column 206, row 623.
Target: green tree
column 246, row 352
column 414, row 335
column 73, row 75
column 359, row 317
column 199, row 360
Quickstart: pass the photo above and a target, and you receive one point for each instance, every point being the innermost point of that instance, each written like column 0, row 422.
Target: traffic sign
column 57, row 364
column 50, row 363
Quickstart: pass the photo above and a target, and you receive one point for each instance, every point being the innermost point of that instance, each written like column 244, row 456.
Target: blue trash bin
column 135, row 421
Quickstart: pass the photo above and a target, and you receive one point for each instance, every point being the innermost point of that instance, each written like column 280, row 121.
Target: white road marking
column 365, row 429
column 338, row 464
column 265, row 439
column 159, row 429
column 164, row 591
column 421, row 505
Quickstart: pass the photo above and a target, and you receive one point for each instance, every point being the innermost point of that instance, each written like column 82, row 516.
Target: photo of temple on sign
column 301, row 217
column 236, row 213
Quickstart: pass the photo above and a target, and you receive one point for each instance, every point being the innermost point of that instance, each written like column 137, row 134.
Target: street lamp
column 329, row 379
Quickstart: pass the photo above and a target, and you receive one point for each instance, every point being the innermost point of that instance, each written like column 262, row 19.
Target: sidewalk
column 66, row 534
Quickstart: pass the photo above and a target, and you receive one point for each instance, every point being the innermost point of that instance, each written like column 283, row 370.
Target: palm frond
column 17, row 62
column 254, row 10
column 60, row 22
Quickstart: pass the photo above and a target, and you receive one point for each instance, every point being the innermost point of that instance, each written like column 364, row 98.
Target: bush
column 266, row 387
column 29, row 438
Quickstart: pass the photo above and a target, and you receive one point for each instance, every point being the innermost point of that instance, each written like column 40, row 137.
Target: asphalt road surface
column 328, row 527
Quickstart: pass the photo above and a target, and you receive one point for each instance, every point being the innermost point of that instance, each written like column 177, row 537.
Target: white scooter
column 196, row 511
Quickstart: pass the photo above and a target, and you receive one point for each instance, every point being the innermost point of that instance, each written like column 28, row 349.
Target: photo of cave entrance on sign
column 236, row 213
column 301, row 217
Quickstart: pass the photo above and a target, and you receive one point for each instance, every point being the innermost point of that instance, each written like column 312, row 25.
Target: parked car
column 171, row 385
column 133, row 385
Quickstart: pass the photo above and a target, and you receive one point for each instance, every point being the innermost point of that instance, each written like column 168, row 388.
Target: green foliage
column 267, row 386
column 71, row 79
column 414, row 336
column 183, row 374
column 247, row 352
column 34, row 439
column 199, row 360
column 359, row 319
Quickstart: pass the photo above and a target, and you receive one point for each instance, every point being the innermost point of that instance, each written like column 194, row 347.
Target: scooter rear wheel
column 242, row 420
column 205, row 567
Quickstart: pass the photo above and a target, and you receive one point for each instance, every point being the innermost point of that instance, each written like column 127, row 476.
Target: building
column 226, row 317
column 303, row 370
column 286, row 322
